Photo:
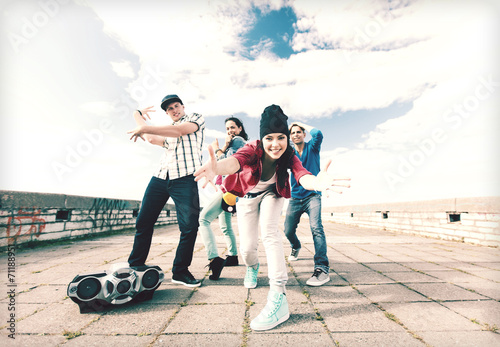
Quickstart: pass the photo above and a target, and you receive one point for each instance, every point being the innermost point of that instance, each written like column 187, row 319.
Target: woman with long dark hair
column 235, row 139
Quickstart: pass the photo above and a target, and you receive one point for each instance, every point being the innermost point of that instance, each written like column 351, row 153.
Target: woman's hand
column 229, row 138
column 325, row 182
column 208, row 170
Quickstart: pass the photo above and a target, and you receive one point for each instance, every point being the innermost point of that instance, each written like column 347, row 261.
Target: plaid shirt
column 182, row 155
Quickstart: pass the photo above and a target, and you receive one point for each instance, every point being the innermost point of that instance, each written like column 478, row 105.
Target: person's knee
column 204, row 221
column 143, row 225
column 188, row 235
column 189, row 224
column 290, row 230
column 317, row 230
column 247, row 248
column 271, row 238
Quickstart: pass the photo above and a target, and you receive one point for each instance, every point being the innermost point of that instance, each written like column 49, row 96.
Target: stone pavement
column 386, row 289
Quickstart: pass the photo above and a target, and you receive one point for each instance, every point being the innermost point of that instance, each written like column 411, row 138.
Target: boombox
column 119, row 285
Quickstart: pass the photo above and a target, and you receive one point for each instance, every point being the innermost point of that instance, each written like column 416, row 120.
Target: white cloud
column 213, row 134
column 123, row 69
column 426, row 52
column 100, row 108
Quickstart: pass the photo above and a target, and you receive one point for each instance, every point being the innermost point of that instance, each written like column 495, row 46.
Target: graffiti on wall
column 27, row 222
column 107, row 212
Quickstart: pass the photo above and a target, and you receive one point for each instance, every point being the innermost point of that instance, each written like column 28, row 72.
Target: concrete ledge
column 480, row 204
column 31, row 217
column 473, row 220
column 13, row 199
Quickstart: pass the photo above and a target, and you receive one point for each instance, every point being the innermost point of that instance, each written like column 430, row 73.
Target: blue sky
column 274, row 28
column 406, row 93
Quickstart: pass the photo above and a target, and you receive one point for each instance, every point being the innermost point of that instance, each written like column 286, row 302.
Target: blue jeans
column 184, row 193
column 312, row 206
column 211, row 211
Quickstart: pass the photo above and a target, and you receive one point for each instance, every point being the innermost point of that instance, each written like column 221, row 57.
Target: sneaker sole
column 268, row 327
column 292, row 259
column 250, row 286
column 317, row 284
column 186, row 284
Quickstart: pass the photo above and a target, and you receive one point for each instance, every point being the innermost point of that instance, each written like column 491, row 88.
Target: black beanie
column 273, row 120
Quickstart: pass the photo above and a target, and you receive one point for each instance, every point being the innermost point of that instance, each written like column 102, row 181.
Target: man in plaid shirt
column 182, row 141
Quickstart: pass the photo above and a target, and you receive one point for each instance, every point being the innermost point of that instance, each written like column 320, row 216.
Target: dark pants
column 184, row 193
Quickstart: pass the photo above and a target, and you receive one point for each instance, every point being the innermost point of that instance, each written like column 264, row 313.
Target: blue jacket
column 310, row 161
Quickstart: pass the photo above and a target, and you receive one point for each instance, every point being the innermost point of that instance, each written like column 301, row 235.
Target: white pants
column 264, row 211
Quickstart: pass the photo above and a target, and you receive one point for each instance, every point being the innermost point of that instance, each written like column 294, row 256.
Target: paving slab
column 336, row 294
column 386, row 289
column 372, row 277
column 461, row 338
column 445, row 291
column 457, row 276
column 388, row 267
column 379, row 339
column 429, row 316
column 356, row 317
column 109, row 341
column 220, row 294
column 486, row 313
column 489, row 265
column 288, row 339
column 390, row 293
column 43, row 294
column 209, row 340
column 343, row 268
column 32, row 340
column 487, row 289
column 169, row 293
column 413, row 277
column 130, row 319
column 209, row 318
column 397, row 257
column 425, row 266
column 56, row 319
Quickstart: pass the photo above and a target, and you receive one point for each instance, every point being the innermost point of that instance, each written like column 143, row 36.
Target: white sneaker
column 275, row 312
column 318, row 278
column 294, row 254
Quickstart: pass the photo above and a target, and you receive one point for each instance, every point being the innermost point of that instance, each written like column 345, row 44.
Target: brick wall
column 473, row 220
column 27, row 217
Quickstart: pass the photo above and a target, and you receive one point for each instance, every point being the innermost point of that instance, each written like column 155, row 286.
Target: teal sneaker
column 275, row 312
column 251, row 277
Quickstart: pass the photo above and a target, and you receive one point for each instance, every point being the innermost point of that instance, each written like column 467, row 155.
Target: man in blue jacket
column 306, row 201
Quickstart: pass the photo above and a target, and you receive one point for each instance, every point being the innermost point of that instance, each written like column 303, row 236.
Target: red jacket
column 247, row 177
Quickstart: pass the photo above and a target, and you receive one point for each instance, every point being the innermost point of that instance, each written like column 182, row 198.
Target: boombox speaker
column 119, row 285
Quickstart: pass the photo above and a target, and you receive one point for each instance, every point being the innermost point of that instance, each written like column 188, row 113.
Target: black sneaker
column 216, row 265
column 186, row 278
column 294, row 254
column 231, row 260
